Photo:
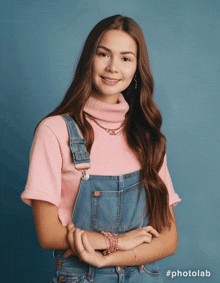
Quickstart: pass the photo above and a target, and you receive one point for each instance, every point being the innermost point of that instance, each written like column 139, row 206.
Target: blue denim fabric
column 77, row 144
column 113, row 204
column 73, row 270
column 118, row 208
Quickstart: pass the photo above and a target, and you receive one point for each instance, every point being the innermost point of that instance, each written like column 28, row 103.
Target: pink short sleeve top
column 52, row 176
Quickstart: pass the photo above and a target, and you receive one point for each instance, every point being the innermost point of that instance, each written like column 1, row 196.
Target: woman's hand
column 86, row 252
column 80, row 246
column 129, row 240
column 70, row 238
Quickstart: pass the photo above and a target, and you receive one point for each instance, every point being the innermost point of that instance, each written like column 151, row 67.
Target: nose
column 112, row 66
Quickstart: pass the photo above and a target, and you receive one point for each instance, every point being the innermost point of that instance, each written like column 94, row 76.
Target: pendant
column 112, row 132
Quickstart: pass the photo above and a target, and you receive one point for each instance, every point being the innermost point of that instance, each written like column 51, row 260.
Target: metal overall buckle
column 85, row 176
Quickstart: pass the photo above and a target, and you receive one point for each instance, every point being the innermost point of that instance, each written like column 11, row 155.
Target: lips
column 110, row 81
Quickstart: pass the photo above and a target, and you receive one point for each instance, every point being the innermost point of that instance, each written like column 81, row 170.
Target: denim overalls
column 104, row 203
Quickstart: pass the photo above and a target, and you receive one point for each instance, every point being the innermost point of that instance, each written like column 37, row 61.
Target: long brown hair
column 142, row 122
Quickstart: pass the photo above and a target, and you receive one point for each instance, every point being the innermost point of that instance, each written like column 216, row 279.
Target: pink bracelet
column 113, row 242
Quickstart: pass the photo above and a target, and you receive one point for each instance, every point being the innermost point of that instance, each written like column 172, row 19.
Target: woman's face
column 114, row 65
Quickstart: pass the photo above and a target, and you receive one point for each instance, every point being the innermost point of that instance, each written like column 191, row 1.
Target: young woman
column 98, row 182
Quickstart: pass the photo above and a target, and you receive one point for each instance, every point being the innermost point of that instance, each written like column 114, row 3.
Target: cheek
column 95, row 66
column 128, row 70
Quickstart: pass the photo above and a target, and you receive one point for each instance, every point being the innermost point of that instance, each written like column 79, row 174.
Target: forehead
column 118, row 41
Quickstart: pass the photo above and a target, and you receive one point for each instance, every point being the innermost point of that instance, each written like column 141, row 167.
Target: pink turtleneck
column 52, row 176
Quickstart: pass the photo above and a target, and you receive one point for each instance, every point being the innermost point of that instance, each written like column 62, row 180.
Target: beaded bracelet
column 113, row 242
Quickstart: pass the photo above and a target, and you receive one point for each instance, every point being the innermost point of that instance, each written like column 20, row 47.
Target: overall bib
column 104, row 203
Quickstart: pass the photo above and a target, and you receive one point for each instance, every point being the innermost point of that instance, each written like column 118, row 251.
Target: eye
column 103, row 54
column 126, row 59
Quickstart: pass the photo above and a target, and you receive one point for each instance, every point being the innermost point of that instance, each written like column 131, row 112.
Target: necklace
column 110, row 131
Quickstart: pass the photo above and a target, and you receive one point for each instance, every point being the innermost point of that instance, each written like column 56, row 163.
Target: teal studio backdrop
column 40, row 42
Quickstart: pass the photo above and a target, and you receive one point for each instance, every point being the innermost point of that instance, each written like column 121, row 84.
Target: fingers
column 82, row 244
column 68, row 253
column 70, row 236
column 78, row 241
column 145, row 236
column 86, row 252
column 86, row 243
column 70, row 226
column 151, row 230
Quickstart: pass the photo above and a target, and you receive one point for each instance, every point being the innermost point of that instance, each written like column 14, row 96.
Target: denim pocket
column 154, row 273
column 118, row 211
column 152, row 269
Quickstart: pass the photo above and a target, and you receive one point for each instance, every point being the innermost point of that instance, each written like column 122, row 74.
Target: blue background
column 40, row 42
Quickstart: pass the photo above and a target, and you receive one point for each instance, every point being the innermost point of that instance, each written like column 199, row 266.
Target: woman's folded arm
column 50, row 231
column 53, row 235
column 163, row 246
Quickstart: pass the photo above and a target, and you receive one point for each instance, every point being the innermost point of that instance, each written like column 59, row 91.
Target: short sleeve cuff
column 174, row 199
column 29, row 194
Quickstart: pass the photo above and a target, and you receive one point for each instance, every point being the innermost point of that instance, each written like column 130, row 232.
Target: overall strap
column 77, row 144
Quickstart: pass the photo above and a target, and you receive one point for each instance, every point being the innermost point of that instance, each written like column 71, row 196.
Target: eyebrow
column 109, row 50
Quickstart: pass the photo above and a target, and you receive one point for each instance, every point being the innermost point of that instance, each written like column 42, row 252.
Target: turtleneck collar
column 107, row 112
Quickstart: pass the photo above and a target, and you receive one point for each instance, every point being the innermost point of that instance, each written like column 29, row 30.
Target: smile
column 109, row 81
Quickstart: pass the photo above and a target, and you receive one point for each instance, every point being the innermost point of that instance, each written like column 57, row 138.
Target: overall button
column 59, row 262
column 58, row 267
column 85, row 177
